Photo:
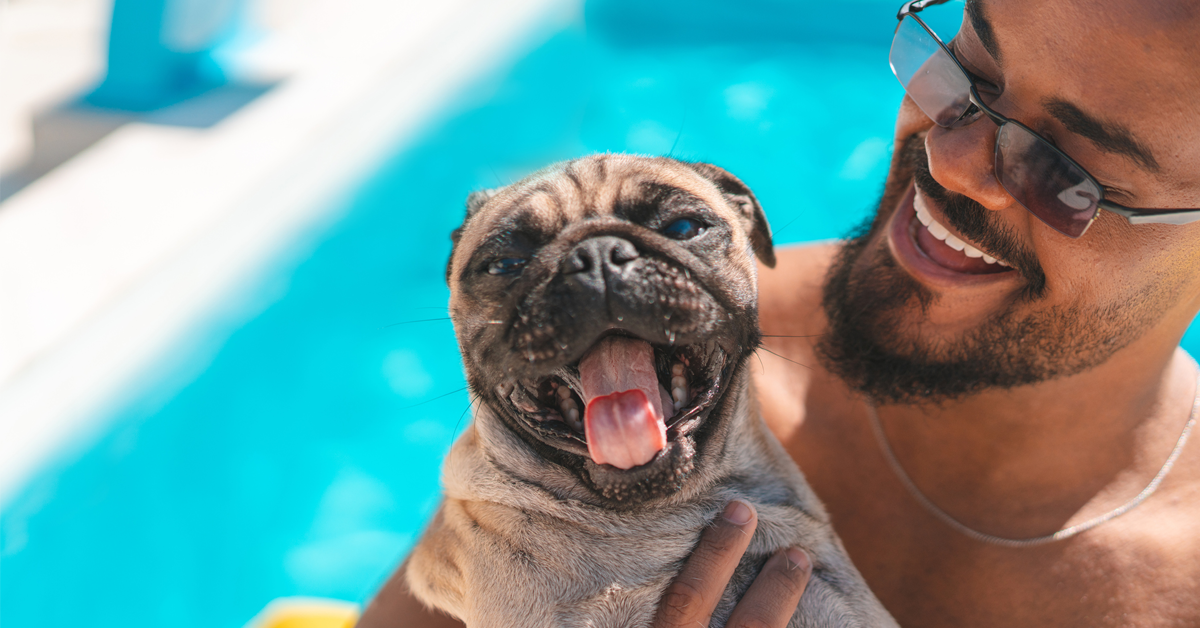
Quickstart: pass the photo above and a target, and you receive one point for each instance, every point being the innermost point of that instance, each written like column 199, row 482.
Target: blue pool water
column 299, row 454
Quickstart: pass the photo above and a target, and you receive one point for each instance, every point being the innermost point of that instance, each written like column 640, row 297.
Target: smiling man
column 1002, row 382
column 993, row 403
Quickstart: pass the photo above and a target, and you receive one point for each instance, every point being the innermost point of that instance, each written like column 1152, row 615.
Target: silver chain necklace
column 1064, row 533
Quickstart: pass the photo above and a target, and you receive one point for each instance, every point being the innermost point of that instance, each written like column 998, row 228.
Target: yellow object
column 306, row 612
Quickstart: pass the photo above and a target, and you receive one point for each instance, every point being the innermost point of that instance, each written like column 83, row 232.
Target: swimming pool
column 299, row 455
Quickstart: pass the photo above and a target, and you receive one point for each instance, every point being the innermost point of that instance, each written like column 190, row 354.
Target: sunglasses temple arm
column 1166, row 216
column 915, row 6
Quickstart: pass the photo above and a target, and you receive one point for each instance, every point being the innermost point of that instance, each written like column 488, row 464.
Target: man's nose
column 963, row 160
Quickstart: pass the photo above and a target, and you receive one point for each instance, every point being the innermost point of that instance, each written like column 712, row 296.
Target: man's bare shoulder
column 793, row 321
column 790, row 294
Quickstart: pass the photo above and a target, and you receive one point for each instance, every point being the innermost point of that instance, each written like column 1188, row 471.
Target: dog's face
column 603, row 307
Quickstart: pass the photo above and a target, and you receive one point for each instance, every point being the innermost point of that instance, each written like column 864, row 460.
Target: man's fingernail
column 797, row 559
column 738, row 513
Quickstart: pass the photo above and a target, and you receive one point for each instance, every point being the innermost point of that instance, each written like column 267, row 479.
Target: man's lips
column 933, row 252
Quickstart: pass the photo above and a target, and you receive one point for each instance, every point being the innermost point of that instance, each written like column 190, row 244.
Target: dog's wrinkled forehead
column 627, row 187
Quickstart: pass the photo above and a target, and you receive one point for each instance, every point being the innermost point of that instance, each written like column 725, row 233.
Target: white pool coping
column 112, row 257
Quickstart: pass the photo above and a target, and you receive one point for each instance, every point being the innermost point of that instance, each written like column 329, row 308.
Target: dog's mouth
column 624, row 400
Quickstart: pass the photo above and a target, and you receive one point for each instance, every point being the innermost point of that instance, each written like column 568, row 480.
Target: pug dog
column 606, row 310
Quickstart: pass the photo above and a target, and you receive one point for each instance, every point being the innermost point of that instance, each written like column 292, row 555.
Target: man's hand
column 688, row 602
column 770, row 601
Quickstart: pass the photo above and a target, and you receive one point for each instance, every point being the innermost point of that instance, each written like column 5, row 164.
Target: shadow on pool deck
column 65, row 130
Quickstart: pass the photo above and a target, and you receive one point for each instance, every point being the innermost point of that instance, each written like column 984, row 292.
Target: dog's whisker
column 452, row 392
column 789, row 223
column 458, row 423
column 682, row 125
column 499, row 181
column 422, row 320
column 781, row 357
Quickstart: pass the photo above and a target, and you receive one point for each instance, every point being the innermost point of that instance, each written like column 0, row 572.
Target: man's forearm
column 395, row 607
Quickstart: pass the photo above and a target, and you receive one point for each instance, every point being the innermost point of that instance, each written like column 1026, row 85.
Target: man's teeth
column 942, row 233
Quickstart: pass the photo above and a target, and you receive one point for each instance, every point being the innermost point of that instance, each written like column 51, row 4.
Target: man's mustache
column 974, row 220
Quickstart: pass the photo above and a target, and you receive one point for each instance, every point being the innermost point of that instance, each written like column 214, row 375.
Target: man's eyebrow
column 983, row 28
column 1108, row 136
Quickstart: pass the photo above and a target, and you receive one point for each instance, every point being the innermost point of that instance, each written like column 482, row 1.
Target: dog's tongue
column 623, row 421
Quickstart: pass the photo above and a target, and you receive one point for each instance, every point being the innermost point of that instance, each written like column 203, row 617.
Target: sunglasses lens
column 1049, row 185
column 928, row 74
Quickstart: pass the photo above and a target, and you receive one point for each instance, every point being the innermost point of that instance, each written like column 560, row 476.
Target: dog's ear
column 739, row 196
column 475, row 201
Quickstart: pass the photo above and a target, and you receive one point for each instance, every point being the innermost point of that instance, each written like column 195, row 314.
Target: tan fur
column 519, row 542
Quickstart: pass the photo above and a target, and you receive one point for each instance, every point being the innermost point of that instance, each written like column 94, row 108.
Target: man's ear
column 739, row 196
column 475, row 201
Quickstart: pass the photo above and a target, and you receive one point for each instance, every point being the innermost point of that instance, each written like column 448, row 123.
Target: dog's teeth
column 570, row 412
column 679, row 394
column 678, row 382
column 564, row 392
column 572, row 417
column 677, row 369
column 525, row 403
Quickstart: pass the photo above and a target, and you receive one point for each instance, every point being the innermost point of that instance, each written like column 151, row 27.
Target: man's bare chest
column 1135, row 572
column 943, row 588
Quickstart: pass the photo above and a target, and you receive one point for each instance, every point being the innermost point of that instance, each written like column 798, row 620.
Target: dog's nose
column 599, row 255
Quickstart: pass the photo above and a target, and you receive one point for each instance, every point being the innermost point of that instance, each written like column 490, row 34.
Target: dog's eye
column 506, row 266
column 683, row 229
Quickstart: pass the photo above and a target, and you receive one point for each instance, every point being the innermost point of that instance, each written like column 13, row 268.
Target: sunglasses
column 1036, row 173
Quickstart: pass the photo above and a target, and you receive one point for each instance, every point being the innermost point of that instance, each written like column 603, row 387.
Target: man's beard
column 868, row 296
